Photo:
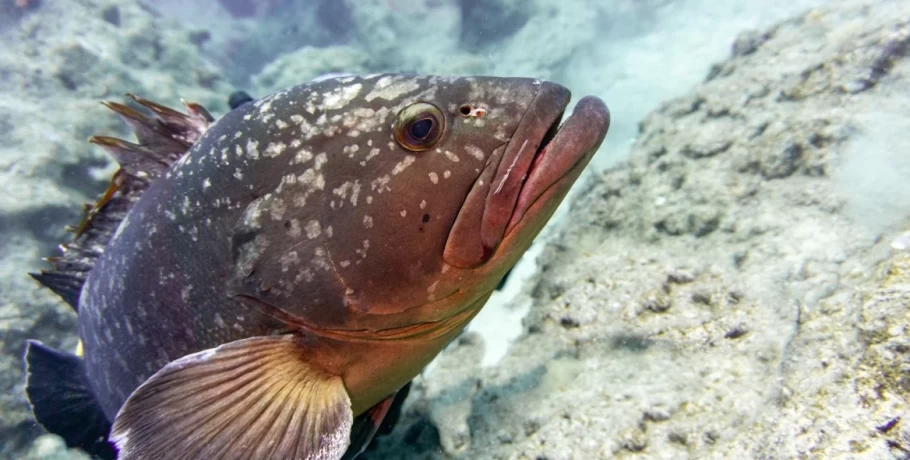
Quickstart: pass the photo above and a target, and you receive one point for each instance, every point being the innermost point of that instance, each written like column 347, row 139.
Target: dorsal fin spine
column 162, row 139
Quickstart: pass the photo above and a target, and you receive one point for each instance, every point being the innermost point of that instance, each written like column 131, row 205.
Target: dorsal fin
column 162, row 139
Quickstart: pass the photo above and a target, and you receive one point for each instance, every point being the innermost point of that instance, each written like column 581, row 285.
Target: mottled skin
column 301, row 214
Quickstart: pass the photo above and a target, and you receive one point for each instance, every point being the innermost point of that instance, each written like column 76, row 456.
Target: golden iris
column 419, row 126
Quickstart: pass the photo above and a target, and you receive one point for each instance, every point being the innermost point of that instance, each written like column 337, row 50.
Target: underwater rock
column 720, row 295
column 406, row 35
column 58, row 61
column 308, row 63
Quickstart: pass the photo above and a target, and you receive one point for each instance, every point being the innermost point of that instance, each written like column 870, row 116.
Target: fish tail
column 63, row 403
column 163, row 137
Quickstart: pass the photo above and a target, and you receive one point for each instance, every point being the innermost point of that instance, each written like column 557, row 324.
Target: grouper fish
column 262, row 285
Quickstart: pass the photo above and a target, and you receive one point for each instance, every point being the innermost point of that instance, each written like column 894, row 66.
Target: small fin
column 365, row 426
column 68, row 287
column 239, row 98
column 378, row 420
column 62, row 401
column 133, row 158
column 391, row 418
column 253, row 398
column 163, row 138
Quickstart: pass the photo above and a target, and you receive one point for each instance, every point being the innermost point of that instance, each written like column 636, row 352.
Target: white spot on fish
column 367, row 221
column 475, row 152
column 373, row 152
column 500, row 134
column 423, row 204
column 363, row 250
column 434, row 178
column 446, row 174
column 287, row 260
column 320, row 160
column 252, row 149
column 403, row 164
column 294, row 230
column 313, row 229
column 452, row 157
column 404, row 213
column 337, row 99
column 274, row 149
column 380, row 183
column 355, row 192
column 302, row 156
column 387, row 88
column 351, row 149
column 219, row 321
column 277, row 209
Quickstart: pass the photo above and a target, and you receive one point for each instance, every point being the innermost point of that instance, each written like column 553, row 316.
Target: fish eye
column 419, row 126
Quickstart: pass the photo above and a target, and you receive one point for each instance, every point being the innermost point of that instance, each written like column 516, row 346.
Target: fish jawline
column 416, row 331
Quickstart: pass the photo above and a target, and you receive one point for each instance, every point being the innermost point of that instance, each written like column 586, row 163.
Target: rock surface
column 731, row 291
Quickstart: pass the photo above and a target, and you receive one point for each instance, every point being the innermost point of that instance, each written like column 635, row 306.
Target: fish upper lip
column 527, row 141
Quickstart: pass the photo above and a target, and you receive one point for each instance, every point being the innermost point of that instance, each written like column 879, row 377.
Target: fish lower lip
column 565, row 155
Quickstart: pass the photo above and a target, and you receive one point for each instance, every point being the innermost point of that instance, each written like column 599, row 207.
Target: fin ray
column 279, row 406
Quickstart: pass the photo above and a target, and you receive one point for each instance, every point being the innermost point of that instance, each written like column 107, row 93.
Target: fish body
column 310, row 253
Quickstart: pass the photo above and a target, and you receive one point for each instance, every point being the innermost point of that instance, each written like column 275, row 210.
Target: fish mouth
column 540, row 155
column 563, row 154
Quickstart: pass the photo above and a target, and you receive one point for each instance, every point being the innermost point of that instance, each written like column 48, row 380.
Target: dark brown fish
column 262, row 286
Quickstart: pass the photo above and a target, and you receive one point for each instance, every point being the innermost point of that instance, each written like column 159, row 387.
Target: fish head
column 405, row 199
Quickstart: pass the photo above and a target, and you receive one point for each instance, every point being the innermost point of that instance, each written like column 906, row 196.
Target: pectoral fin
column 379, row 419
column 253, row 398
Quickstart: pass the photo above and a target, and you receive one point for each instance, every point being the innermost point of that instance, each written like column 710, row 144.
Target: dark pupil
column 421, row 128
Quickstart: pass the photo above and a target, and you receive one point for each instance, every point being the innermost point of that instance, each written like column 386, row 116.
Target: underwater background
column 730, row 280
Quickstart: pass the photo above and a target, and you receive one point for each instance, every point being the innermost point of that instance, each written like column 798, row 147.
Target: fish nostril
column 466, row 109
column 426, row 218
